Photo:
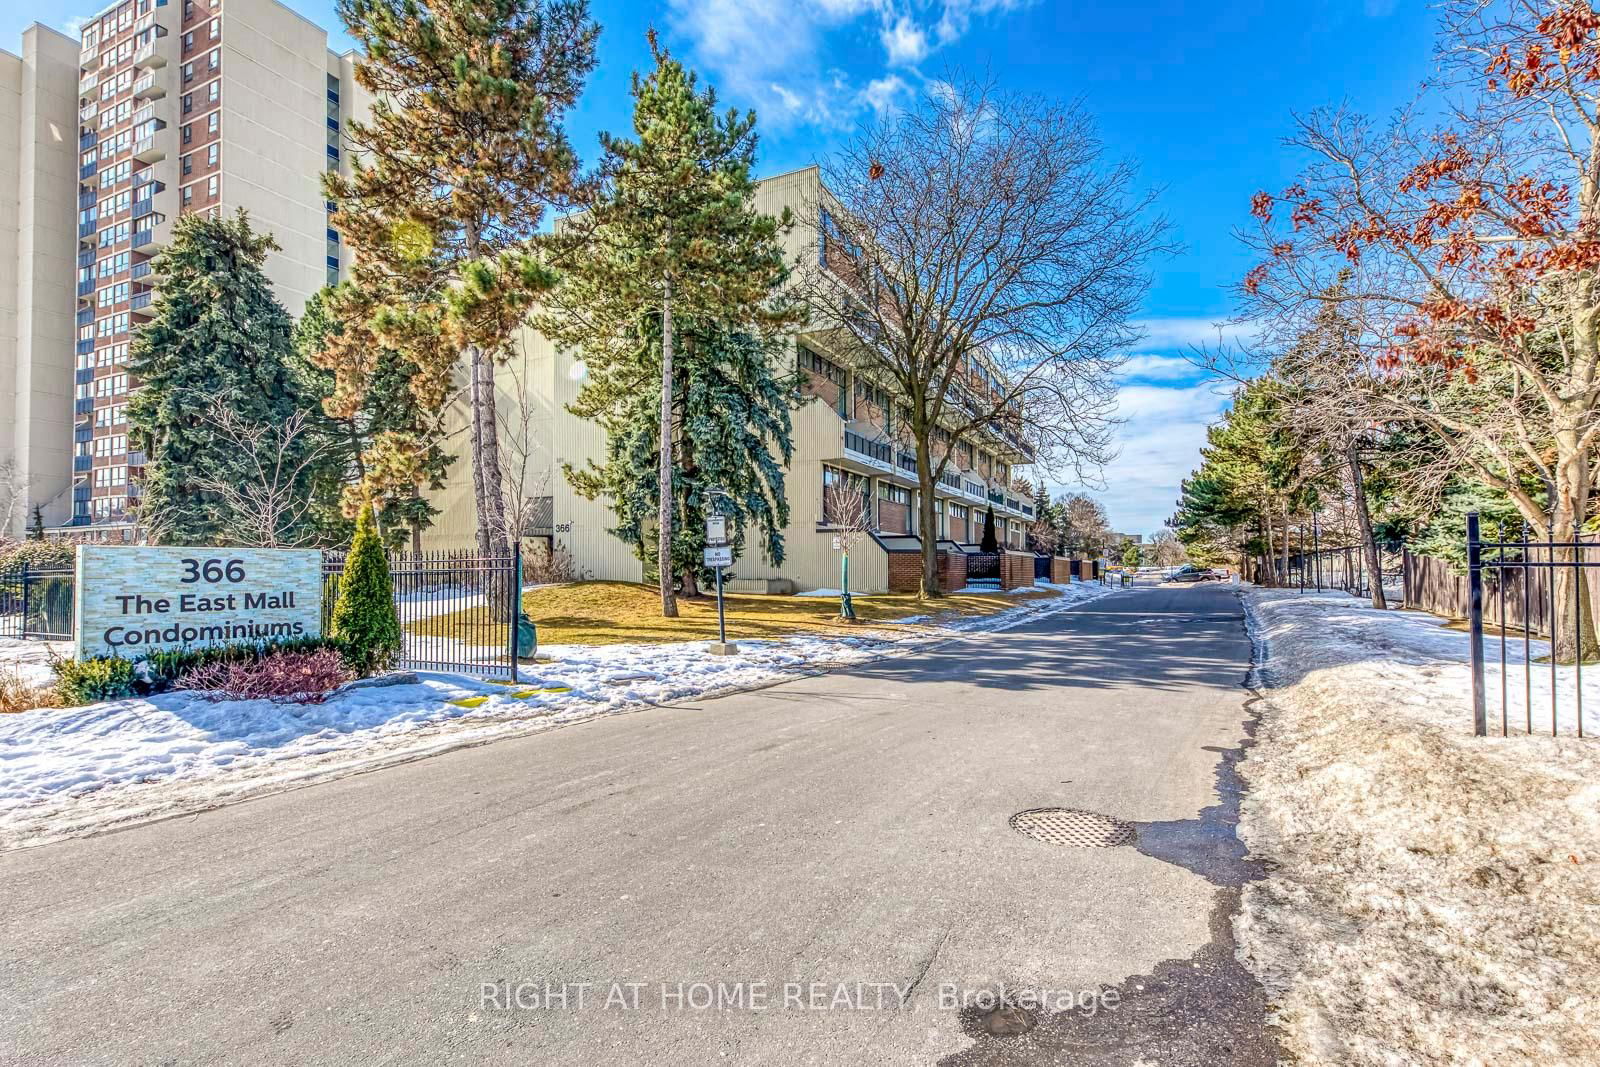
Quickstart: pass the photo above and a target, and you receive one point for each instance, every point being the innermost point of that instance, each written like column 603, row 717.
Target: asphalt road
column 819, row 872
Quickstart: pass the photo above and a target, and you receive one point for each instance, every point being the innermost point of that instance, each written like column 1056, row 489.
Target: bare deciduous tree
column 847, row 511
column 13, row 498
column 268, row 507
column 980, row 258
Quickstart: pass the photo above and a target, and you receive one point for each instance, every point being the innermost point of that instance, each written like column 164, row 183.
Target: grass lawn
column 609, row 613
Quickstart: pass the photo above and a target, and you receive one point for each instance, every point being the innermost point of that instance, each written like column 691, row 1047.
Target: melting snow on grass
column 75, row 770
column 1433, row 897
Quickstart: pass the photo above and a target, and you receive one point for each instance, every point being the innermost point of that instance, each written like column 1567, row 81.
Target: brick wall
column 905, row 572
column 1060, row 570
column 952, row 571
column 1016, row 569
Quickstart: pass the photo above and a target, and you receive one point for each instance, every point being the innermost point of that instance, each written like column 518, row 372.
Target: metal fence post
column 23, row 631
column 516, row 604
column 1480, row 719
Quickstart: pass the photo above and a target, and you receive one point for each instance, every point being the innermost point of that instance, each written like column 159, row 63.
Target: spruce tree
column 673, row 238
column 36, row 527
column 219, row 337
column 734, row 410
column 460, row 155
column 364, row 618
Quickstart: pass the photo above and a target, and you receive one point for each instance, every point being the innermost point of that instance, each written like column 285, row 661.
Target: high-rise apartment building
column 163, row 108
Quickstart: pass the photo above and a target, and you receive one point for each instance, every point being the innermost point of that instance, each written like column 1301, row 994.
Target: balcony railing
column 82, row 463
column 87, row 171
column 86, row 229
column 136, row 459
column 83, row 405
column 85, row 346
column 149, row 88
column 85, row 315
column 142, row 269
column 86, row 287
column 878, row 451
column 907, row 463
column 140, row 301
column 148, row 56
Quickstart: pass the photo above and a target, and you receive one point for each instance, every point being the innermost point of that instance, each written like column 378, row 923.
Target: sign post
column 719, row 554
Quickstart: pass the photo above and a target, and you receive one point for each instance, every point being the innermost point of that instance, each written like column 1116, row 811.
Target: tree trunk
column 929, row 525
column 474, row 384
column 669, row 603
column 1369, row 544
column 1285, row 549
column 486, row 483
column 1272, row 579
column 494, row 502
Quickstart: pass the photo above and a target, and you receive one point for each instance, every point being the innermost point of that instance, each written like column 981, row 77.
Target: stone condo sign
column 131, row 601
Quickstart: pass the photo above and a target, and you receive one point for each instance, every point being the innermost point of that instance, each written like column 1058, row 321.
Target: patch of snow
column 1432, row 897
column 825, row 593
column 66, row 772
column 30, row 660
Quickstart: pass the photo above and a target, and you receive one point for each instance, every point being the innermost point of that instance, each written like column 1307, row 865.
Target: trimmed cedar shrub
column 296, row 677
column 364, row 618
column 90, row 681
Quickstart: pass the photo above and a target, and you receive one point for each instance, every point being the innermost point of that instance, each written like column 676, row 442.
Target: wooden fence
column 1437, row 586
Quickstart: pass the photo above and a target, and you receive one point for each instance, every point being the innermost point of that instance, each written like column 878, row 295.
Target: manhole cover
column 1072, row 828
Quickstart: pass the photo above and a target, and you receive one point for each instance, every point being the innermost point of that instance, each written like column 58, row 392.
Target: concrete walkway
column 834, row 852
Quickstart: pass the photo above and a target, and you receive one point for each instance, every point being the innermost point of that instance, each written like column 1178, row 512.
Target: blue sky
column 1200, row 93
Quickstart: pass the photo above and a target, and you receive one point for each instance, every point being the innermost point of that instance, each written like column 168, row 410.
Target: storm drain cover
column 1072, row 828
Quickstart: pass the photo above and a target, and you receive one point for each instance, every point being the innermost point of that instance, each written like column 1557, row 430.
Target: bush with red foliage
column 295, row 677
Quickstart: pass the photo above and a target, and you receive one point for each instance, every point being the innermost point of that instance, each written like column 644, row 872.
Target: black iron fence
column 1344, row 569
column 983, row 567
column 36, row 602
column 458, row 610
column 1527, row 591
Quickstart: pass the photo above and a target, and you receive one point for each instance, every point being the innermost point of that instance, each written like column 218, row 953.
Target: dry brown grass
column 19, row 694
column 609, row 613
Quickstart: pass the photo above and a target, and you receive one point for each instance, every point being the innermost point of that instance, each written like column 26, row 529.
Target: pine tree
column 735, row 414
column 36, row 527
column 673, row 237
column 350, row 471
column 461, row 154
column 364, row 618
column 219, row 338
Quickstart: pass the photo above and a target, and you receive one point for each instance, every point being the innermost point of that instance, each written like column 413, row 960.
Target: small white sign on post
column 130, row 601
column 718, row 556
column 837, row 544
column 717, row 529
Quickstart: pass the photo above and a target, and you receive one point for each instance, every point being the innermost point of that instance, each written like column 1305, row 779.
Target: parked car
column 1190, row 573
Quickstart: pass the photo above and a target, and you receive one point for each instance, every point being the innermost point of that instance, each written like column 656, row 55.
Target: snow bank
column 1433, row 897
column 71, row 771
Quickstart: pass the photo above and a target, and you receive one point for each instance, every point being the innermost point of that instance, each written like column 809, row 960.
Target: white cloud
column 904, row 41
column 884, row 94
column 1154, row 368
column 957, row 15
column 1159, row 444
column 773, row 54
